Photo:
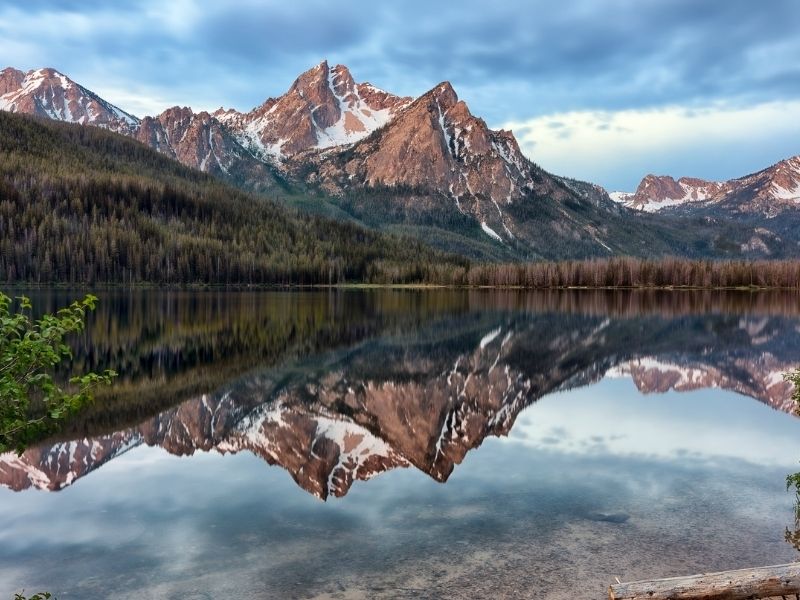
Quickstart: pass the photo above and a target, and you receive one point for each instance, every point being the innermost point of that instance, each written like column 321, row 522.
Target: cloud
column 516, row 61
column 617, row 148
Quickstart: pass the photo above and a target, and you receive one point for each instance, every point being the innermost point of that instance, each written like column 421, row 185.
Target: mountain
column 196, row 140
column 661, row 191
column 439, row 173
column 767, row 192
column 323, row 108
column 429, row 168
column 425, row 167
column 435, row 144
column 48, row 93
column 85, row 205
column 760, row 212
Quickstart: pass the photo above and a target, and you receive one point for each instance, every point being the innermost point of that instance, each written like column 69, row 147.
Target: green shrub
column 32, row 401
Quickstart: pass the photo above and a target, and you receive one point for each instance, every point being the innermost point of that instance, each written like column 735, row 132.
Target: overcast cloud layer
column 634, row 67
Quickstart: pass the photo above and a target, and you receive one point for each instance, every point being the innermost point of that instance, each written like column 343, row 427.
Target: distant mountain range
column 768, row 192
column 429, row 168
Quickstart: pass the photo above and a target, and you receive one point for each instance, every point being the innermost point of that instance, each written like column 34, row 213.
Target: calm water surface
column 433, row 444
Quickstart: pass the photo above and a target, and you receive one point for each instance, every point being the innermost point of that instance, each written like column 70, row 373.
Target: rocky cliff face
column 661, row 191
column 768, row 192
column 437, row 146
column 200, row 141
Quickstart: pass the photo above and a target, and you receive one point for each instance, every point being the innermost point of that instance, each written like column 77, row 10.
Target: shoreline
column 386, row 286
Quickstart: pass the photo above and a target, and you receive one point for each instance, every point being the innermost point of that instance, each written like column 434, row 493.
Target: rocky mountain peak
column 784, row 178
column 444, row 94
column 655, row 186
column 316, row 96
column 341, row 82
column 436, row 145
column 48, row 93
column 323, row 108
column 201, row 141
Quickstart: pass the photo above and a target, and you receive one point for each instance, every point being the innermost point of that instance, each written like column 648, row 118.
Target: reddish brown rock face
column 197, row 140
column 660, row 191
column 10, row 80
column 654, row 187
column 436, row 144
column 200, row 141
column 767, row 192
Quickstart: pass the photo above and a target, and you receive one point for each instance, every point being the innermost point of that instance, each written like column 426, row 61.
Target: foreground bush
column 32, row 402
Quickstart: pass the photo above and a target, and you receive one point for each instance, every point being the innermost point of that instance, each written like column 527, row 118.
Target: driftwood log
column 742, row 584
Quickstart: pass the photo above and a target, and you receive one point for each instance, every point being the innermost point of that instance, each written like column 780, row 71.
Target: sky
column 601, row 90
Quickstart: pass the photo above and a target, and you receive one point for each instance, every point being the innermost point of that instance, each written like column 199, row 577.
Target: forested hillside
column 83, row 205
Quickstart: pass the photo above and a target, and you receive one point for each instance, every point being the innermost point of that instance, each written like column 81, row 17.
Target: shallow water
column 465, row 444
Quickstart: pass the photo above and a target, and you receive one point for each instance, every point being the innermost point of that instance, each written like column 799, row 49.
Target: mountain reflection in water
column 336, row 387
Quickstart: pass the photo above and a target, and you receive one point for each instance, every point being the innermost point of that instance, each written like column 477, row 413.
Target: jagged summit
column 323, row 108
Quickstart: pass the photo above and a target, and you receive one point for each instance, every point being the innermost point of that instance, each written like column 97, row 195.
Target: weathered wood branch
column 742, row 584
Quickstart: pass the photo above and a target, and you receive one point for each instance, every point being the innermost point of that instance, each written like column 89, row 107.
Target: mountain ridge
column 766, row 191
column 467, row 173
column 427, row 167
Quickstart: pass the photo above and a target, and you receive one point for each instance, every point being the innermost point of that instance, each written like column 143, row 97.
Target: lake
column 410, row 444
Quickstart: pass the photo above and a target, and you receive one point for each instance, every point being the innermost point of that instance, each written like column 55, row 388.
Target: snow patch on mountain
column 786, row 194
column 357, row 119
column 621, row 197
column 490, row 232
